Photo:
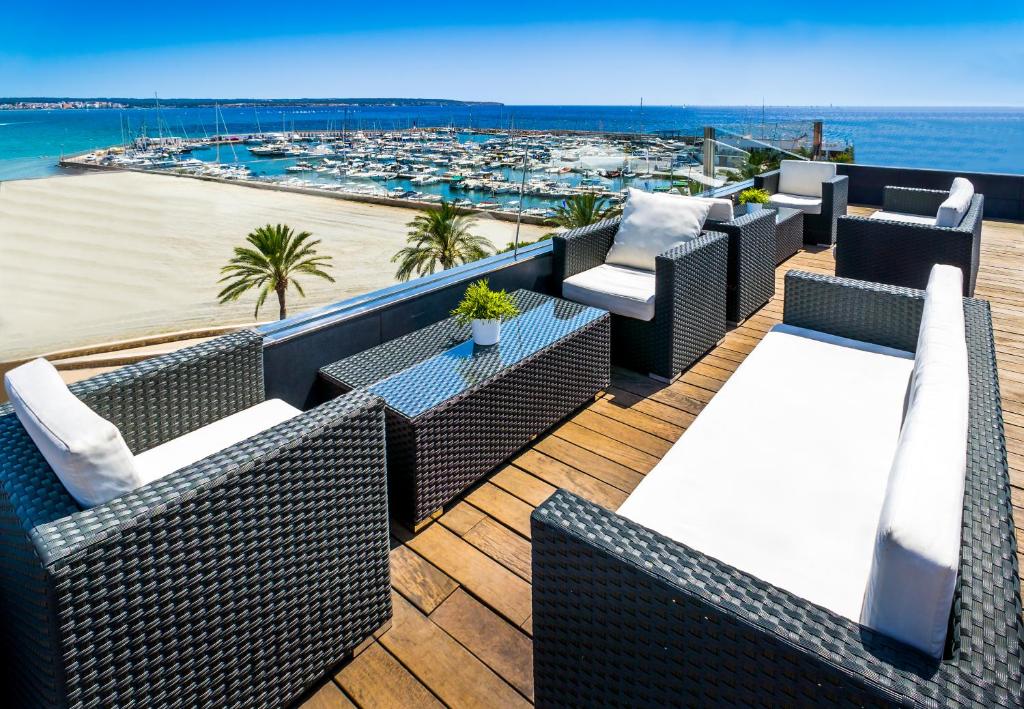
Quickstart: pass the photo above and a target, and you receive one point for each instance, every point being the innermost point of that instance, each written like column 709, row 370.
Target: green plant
column 482, row 303
column 754, row 195
column 845, row 156
column 442, row 238
column 510, row 246
column 277, row 255
column 583, row 210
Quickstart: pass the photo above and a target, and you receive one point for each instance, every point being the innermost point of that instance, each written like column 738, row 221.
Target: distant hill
column 202, row 102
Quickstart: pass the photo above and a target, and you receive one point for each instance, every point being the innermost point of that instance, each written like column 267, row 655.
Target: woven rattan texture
column 236, row 581
column 818, row 228
column 437, row 454
column 689, row 305
column 751, row 274
column 903, row 254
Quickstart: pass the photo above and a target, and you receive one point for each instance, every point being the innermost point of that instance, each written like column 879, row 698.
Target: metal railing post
column 709, row 151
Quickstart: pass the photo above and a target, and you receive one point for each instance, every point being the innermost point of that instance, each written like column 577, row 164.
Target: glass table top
column 781, row 213
column 423, row 369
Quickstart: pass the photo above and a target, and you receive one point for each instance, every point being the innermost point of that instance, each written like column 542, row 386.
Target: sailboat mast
column 159, row 126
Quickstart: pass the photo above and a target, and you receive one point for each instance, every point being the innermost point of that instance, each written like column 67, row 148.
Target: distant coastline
column 70, row 103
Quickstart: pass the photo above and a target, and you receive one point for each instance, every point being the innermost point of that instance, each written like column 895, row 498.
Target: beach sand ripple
column 98, row 257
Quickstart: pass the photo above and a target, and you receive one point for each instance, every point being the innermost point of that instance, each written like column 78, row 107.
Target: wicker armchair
column 901, row 253
column 818, row 228
column 623, row 615
column 752, row 255
column 689, row 306
column 236, row 581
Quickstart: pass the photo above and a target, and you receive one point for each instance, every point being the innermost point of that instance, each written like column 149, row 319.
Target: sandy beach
column 98, row 257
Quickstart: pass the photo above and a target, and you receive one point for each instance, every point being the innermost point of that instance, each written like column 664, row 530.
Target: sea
column 968, row 139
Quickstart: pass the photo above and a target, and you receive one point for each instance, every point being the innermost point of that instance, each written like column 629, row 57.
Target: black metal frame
column 752, row 258
column 902, row 254
column 236, row 581
column 818, row 228
column 623, row 615
column 689, row 303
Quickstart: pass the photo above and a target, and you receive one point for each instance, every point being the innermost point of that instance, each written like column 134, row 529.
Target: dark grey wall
column 1004, row 194
column 291, row 359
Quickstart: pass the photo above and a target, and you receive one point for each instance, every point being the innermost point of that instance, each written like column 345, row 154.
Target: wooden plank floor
column 461, row 630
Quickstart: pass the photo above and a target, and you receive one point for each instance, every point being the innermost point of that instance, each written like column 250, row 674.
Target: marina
column 476, row 169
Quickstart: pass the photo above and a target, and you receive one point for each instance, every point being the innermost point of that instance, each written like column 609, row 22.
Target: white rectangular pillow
column 85, row 450
column 952, row 211
column 804, row 177
column 652, row 224
column 721, row 208
column 909, row 593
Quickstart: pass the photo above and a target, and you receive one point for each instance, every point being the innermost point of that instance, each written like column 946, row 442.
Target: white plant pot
column 754, row 206
column 486, row 332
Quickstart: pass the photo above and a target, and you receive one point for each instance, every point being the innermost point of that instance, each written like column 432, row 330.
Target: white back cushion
column 85, row 450
column 956, row 205
column 721, row 208
column 804, row 176
column 652, row 224
column 909, row 593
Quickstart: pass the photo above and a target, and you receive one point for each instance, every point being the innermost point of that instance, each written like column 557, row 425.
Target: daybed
column 807, row 541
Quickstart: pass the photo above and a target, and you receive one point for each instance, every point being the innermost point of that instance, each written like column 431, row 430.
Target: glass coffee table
column 455, row 410
column 789, row 228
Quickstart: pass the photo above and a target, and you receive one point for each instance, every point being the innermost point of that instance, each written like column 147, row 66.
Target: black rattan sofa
column 818, row 228
column 690, row 298
column 236, row 581
column 625, row 616
column 901, row 253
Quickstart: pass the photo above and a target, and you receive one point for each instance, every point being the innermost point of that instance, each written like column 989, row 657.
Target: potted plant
column 484, row 309
column 754, row 198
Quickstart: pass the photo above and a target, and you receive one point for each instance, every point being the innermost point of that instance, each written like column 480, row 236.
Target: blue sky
column 940, row 53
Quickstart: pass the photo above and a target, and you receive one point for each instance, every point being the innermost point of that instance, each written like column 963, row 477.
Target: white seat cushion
column 653, row 223
column 85, row 450
column 807, row 205
column 783, row 473
column 804, row 177
column 617, row 289
column 212, row 438
column 951, row 212
column 909, row 593
column 901, row 217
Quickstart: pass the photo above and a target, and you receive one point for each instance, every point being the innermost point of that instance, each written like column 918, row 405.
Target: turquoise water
column 969, row 139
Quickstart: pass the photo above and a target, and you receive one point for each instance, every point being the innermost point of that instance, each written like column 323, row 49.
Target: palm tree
column 583, row 210
column 442, row 238
column 277, row 255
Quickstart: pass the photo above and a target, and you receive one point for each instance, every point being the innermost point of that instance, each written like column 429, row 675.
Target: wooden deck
column 461, row 630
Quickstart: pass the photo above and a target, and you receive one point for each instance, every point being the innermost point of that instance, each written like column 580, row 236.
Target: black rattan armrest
column 336, row 433
column 582, row 249
column 910, row 200
column 834, row 196
column 690, row 300
column 752, row 250
column 768, row 181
